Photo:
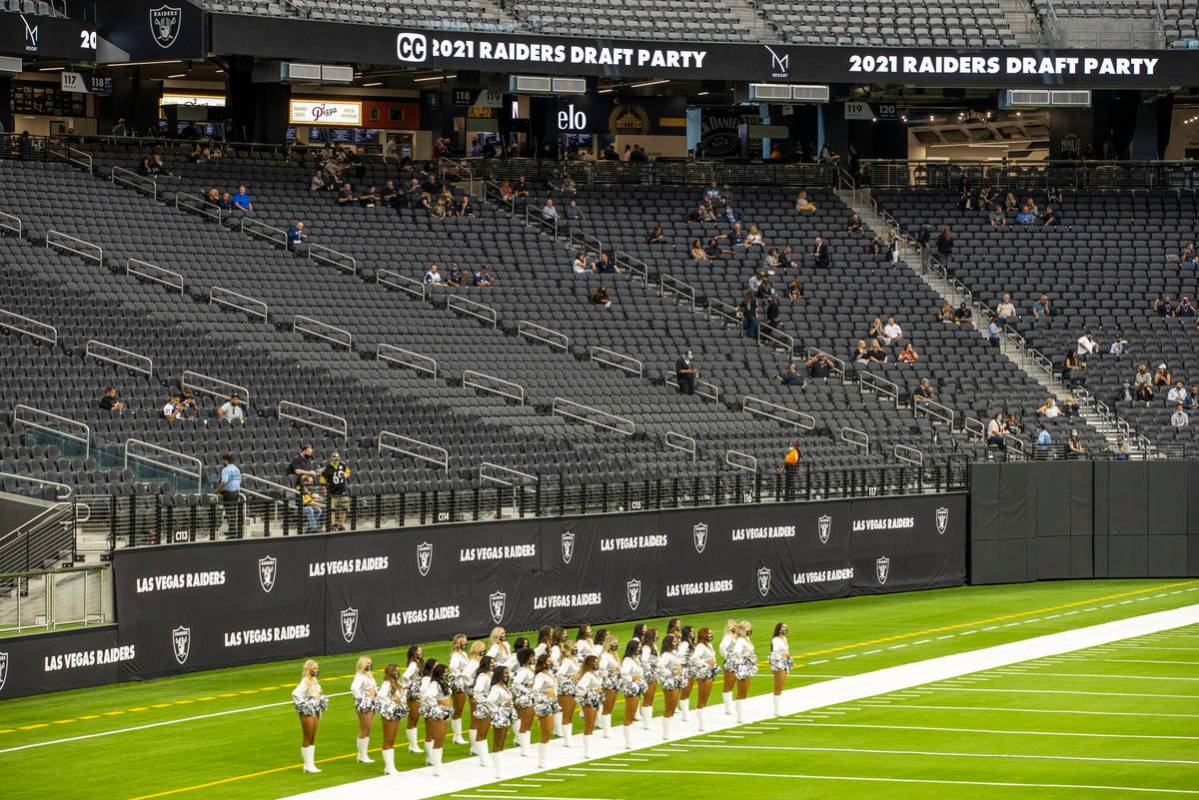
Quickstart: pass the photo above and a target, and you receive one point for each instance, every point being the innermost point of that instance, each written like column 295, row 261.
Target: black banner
column 149, row 30
column 52, row 662
column 30, row 37
column 524, row 53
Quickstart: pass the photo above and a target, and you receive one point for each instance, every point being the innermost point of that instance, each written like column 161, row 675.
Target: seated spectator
column 1069, row 408
column 296, row 236
column 995, row 431
column 855, row 224
column 877, row 354
column 1043, row 308
column 232, row 411
column 432, row 276
column 787, row 258
column 549, row 212
column 606, row 265
column 1163, row 305
column 369, row 198
column 1177, row 393
column 574, row 214
column 439, row 210
column 892, row 333
column 1013, row 423
column 173, row 410
column 1180, row 419
column 455, row 277
column 1184, row 308
column 861, row 355
column 735, row 236
column 963, row 315
column 908, row 354
column 875, row 329
column 1143, row 383
column 945, row 314
column 197, row 155
column 465, row 207
column 756, row 280
column 996, row 217
column 712, row 194
column 791, row 377
column 923, row 393
column 795, row 290
column 1189, row 258
column 521, row 188
column 875, row 248
column 803, row 205
column 213, row 195
column 1071, row 367
column 144, row 168
column 820, row 365
column 1049, row 409
column 483, row 278
column 770, row 261
column 986, row 196
column 1162, row 377
column 1120, row 450
column 317, row 182
column 656, row 236
column 157, row 167
column 389, row 196
column 581, row 266
column 1074, row 448
column 346, row 196
column 226, row 203
column 1025, row 217
column 506, row 193
column 713, row 248
column 110, row 403
column 1043, row 448
column 600, row 298
column 1006, row 309
column 1086, row 345
column 1191, row 404
column 1009, row 204
column 1054, row 195
column 1119, row 346
column 242, row 201
column 1050, row 217
column 754, row 237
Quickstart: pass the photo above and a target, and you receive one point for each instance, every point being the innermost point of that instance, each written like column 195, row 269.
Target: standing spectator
column 924, row 235
column 685, row 373
column 945, row 247
column 748, row 311
column 994, row 331
column 1179, row 419
column 301, row 466
column 820, row 254
column 1044, row 443
column 232, row 411
column 790, row 470
column 296, row 236
column 311, row 504
column 110, row 403
column 242, row 201
column 230, row 491
column 334, row 478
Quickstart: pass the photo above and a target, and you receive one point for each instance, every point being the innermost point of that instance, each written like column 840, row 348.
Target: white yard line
column 1039, row 711
column 948, row 754
column 1067, row 691
column 1102, row 675
column 998, row 732
column 1148, row 661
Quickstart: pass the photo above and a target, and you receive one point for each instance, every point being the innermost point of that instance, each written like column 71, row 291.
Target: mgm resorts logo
column 780, row 65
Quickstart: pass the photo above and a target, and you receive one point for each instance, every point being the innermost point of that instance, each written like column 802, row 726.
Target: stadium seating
column 946, row 24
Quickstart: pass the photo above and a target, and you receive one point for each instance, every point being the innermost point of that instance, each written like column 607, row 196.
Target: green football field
column 233, row 734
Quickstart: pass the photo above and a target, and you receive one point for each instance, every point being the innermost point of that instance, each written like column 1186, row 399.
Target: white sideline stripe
column 543, row 797
column 147, row 726
column 925, row 781
column 1150, row 647
column 1043, row 711
column 465, row 774
column 990, row 730
column 1149, row 661
column 1068, row 691
column 940, row 754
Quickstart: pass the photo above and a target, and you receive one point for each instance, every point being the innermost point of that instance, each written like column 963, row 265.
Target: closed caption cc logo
column 412, row 47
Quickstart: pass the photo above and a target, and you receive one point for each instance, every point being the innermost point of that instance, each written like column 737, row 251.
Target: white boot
column 412, row 745
column 428, row 752
column 647, row 714
column 665, row 728
column 524, row 740
column 628, row 736
column 587, row 745
column 684, row 707
column 567, row 736
column 606, row 725
column 456, row 728
column 389, row 762
column 778, row 704
column 481, row 749
column 558, row 724
column 699, row 716
column 727, row 697
column 495, row 762
column 543, row 749
column 435, row 754
column 363, row 747
column 740, row 710
column 309, row 755
column 474, row 741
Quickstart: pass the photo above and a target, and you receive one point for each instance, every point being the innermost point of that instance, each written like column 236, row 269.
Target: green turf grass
column 252, row 751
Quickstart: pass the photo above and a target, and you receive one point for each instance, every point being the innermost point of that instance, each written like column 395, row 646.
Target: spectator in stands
column 311, row 503
column 1074, row 448
column 986, row 196
column 795, row 290
column 580, row 266
column 1189, row 258
column 893, row 245
column 1120, row 450
column 1143, row 384
column 877, row 354
column 1191, row 403
column 855, row 224
column 1069, row 408
column 945, row 246
column 1010, row 206
column 1119, row 346
column 1071, row 367
column 787, row 259
column 1043, row 308
column 1177, row 393
column 771, row 261
column 189, row 410
column 213, row 195
column 656, row 236
column 685, row 373
column 296, row 236
column 945, row 314
column 712, row 194
column 1013, row 423
column 1051, row 217
column 962, row 315
column 995, row 431
column 892, row 333
column 733, row 215
column 345, row 197
column 110, row 403
column 1184, row 309
column 996, row 217
column 242, row 201
column 924, row 235
column 790, row 470
column 389, row 196
column 1054, row 195
column 144, row 168
column 875, row 328
column 1179, row 419
column 698, row 254
column 820, row 365
column 600, row 298
column 302, row 465
column 875, row 248
column 803, row 205
column 1086, row 346
column 791, row 376
column 455, row 277
column 173, row 410
column 226, row 203
column 1049, row 409
column 820, row 255
column 994, row 331
column 574, row 214
column 549, row 212
column 520, row 190
column 232, row 411
column 483, row 278
column 923, row 393
column 369, row 198
column 747, row 311
column 440, row 210
column 317, row 182
column 1163, row 305
column 1162, row 377
column 157, row 167
column 1006, row 309
column 861, row 354
column 335, row 478
column 1025, row 216
column 432, row 276
column 229, row 490
column 1044, row 443
column 606, row 265
column 754, row 237
column 908, row 354
column 735, row 237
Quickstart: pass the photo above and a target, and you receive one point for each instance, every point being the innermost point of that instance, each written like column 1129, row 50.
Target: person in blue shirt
column 483, row 278
column 1044, row 442
column 296, row 235
column 241, row 200
column 229, row 490
column 994, row 331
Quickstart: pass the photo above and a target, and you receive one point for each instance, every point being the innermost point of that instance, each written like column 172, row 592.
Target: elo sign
column 572, row 119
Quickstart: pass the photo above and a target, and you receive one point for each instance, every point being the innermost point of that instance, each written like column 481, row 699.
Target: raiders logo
column 266, row 573
column 424, row 558
column 3, row 670
column 349, row 624
column 699, row 536
column 942, row 519
column 633, row 592
column 164, row 24
column 181, row 638
column 764, row 581
column 496, row 602
column 826, row 527
column 568, row 546
column 882, row 569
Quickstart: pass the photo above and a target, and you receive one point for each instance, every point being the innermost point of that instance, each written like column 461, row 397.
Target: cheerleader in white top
column 567, row 671
column 436, row 709
column 589, row 693
column 561, row 641
column 460, row 683
column 745, row 664
column 649, row 668
column 545, row 639
column 672, row 680
column 584, row 646
column 780, row 663
column 686, row 642
column 497, row 646
column 310, row 703
column 412, row 676
column 363, row 690
column 545, row 703
column 632, row 686
column 521, row 643
column 609, row 672
column 522, row 698
column 730, row 677
column 393, row 708
column 503, row 715
column 703, row 670
column 474, row 659
column 426, row 676
column 480, row 711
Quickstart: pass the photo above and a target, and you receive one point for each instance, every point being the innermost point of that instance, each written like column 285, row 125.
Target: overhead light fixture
column 52, row 69
column 144, row 63
column 177, row 75
column 431, row 78
column 219, row 69
column 931, row 118
column 605, row 91
column 373, row 83
column 702, row 94
column 649, row 83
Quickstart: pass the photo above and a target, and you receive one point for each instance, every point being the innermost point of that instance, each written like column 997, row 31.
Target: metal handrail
column 199, row 473
column 231, row 388
column 540, row 333
column 681, row 441
column 443, row 461
column 473, row 308
column 934, row 409
column 909, row 455
column 75, row 157
column 741, row 460
column 90, row 351
column 682, row 291
column 636, row 266
column 6, row 315
column 974, row 428
column 314, row 327
column 255, row 307
column 485, row 466
column 52, row 237
column 281, row 413
column 703, row 388
column 131, row 179
column 404, row 283
column 268, row 233
column 855, row 437
column 415, row 360
column 879, row 385
column 470, row 173
column 205, row 208
column 765, row 408
column 611, row 358
column 347, row 263
column 17, row 229
column 494, row 385
column 86, row 438
column 619, row 424
column 67, row 490
column 153, row 272
column 724, row 310
column 255, row 479
column 776, row 339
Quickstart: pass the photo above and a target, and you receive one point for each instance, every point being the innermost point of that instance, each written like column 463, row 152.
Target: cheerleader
column 674, row 626
column 474, row 659
column 686, row 642
column 460, row 683
column 780, row 663
column 545, row 639
column 412, row 675
column 632, row 686
column 435, row 708
column 703, row 670
column 480, row 711
column 671, row 677
column 393, row 707
column 310, row 704
column 609, row 669
column 522, row 698
column 364, row 690
column 745, row 664
column 567, row 671
column 589, row 693
column 730, row 678
column 521, row 643
column 426, row 676
column 498, row 647
column 583, row 643
column 649, row 667
column 545, row 703
column 503, row 714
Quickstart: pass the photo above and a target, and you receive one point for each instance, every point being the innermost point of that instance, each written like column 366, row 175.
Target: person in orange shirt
column 790, row 470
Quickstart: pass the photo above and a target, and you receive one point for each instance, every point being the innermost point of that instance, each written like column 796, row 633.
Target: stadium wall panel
column 53, row 662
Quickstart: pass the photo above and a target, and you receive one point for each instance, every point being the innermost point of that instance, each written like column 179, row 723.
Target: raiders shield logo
column 496, row 602
column 424, row 558
column 882, row 569
column 267, row 572
column 699, row 536
column 3, row 670
column 568, row 547
column 164, row 24
column 349, row 624
column 826, row 527
column 181, row 638
column 633, row 591
column 942, row 519
column 764, row 581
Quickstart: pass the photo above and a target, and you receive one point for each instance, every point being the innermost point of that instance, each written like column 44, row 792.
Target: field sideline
column 232, row 733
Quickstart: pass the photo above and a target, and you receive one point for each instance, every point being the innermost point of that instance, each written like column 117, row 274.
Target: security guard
column 790, row 470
